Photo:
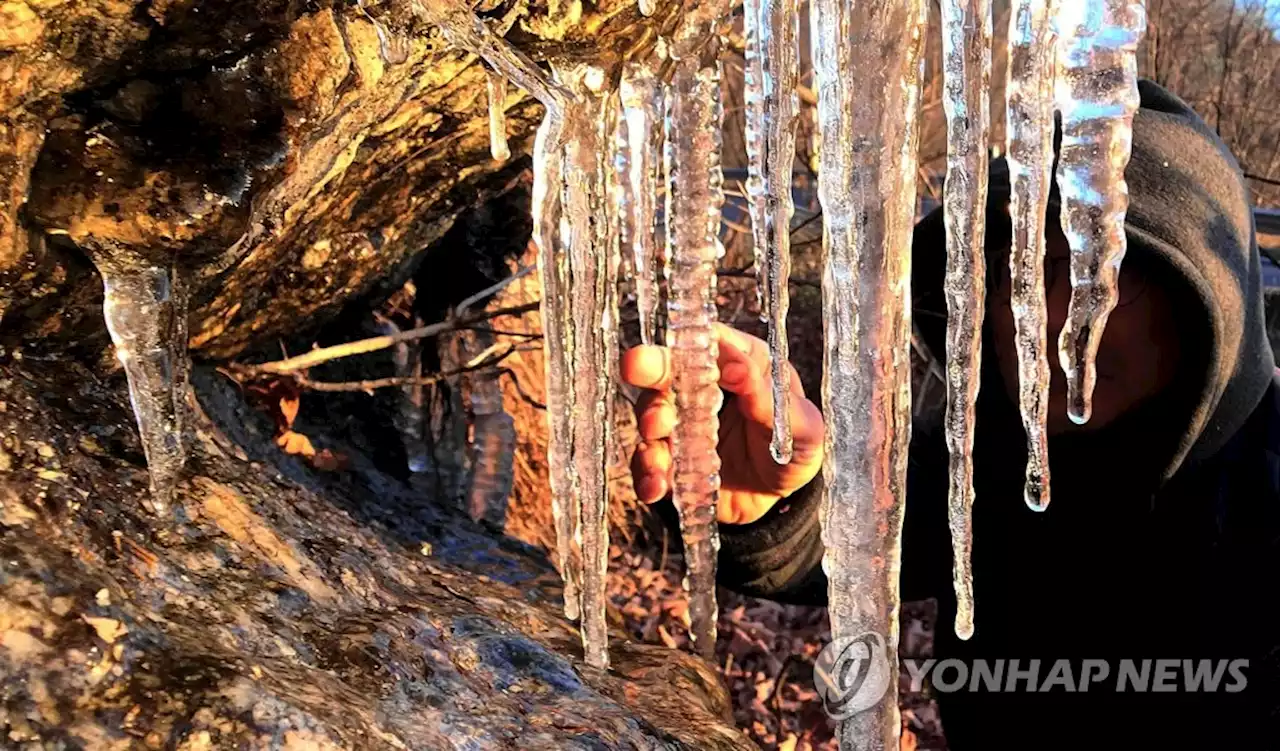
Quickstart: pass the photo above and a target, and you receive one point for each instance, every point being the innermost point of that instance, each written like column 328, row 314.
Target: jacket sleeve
column 779, row 556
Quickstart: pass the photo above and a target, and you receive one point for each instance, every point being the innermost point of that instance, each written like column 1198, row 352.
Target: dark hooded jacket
column 1162, row 540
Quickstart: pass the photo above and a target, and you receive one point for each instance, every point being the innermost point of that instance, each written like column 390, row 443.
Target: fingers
column 655, row 415
column 745, row 371
column 646, row 366
column 651, row 470
column 745, row 364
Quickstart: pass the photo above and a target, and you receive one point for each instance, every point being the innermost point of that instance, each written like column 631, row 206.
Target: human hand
column 751, row 482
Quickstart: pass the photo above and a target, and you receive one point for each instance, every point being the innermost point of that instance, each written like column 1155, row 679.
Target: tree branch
column 373, row 344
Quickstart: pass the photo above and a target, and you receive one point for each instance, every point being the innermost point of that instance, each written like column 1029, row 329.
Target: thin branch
column 1261, row 179
column 748, row 273
column 486, row 364
column 816, row 216
column 373, row 344
column 461, row 308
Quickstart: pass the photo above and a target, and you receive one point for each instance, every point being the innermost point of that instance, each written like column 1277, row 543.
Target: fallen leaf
column 109, row 629
column 289, row 407
column 296, row 444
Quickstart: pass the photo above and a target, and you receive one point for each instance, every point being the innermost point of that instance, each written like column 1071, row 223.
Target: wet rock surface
column 282, row 607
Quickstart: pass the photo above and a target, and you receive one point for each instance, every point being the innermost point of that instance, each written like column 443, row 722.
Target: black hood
column 1189, row 211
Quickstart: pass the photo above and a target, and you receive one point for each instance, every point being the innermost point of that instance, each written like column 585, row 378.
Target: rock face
column 280, row 607
column 287, row 157
column 289, row 160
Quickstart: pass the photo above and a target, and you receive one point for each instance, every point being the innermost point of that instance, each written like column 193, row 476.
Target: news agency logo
column 852, row 674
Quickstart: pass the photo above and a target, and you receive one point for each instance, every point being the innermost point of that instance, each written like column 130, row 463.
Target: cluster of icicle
column 1077, row 59
column 598, row 157
column 596, row 182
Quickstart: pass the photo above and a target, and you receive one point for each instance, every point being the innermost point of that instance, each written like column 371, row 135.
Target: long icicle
column 410, row 417
column 1029, row 131
column 869, row 64
column 557, row 332
column 144, row 305
column 966, row 92
column 493, row 441
column 1097, row 94
column 593, row 302
column 496, row 87
column 772, row 73
column 639, row 161
column 694, row 200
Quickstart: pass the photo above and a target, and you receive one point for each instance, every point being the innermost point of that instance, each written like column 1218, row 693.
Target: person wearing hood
column 1162, row 540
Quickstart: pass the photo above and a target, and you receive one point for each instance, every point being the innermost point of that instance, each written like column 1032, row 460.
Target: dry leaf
column 108, row 629
column 296, row 444
column 289, row 407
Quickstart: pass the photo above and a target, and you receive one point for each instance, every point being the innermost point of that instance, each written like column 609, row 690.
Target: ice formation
column 1029, row 131
column 1097, row 94
column 694, row 199
column 496, row 85
column 966, row 65
column 639, row 153
column 449, row 424
column 410, row 418
column 146, row 313
column 557, row 330
column 595, row 159
column 493, row 443
column 868, row 62
column 593, row 260
column 772, row 74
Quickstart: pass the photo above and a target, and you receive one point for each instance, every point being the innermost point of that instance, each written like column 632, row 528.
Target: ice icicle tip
column 496, row 86
column 1033, row 492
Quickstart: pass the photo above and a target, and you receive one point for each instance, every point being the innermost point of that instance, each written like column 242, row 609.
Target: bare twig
column 748, row 273
column 1261, row 179
column 461, row 308
column 373, row 344
column 815, row 217
column 486, row 363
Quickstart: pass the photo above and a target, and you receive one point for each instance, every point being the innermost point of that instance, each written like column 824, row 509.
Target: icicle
column 694, row 200
column 410, row 418
column 1030, row 157
column 593, row 265
column 868, row 63
column 558, row 345
column 493, row 440
column 496, row 86
column 146, row 313
column 966, row 62
column 638, row 161
column 1097, row 93
column 772, row 75
column 449, row 424
column 463, row 29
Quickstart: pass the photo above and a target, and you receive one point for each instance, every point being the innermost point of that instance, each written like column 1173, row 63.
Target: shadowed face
column 1140, row 350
